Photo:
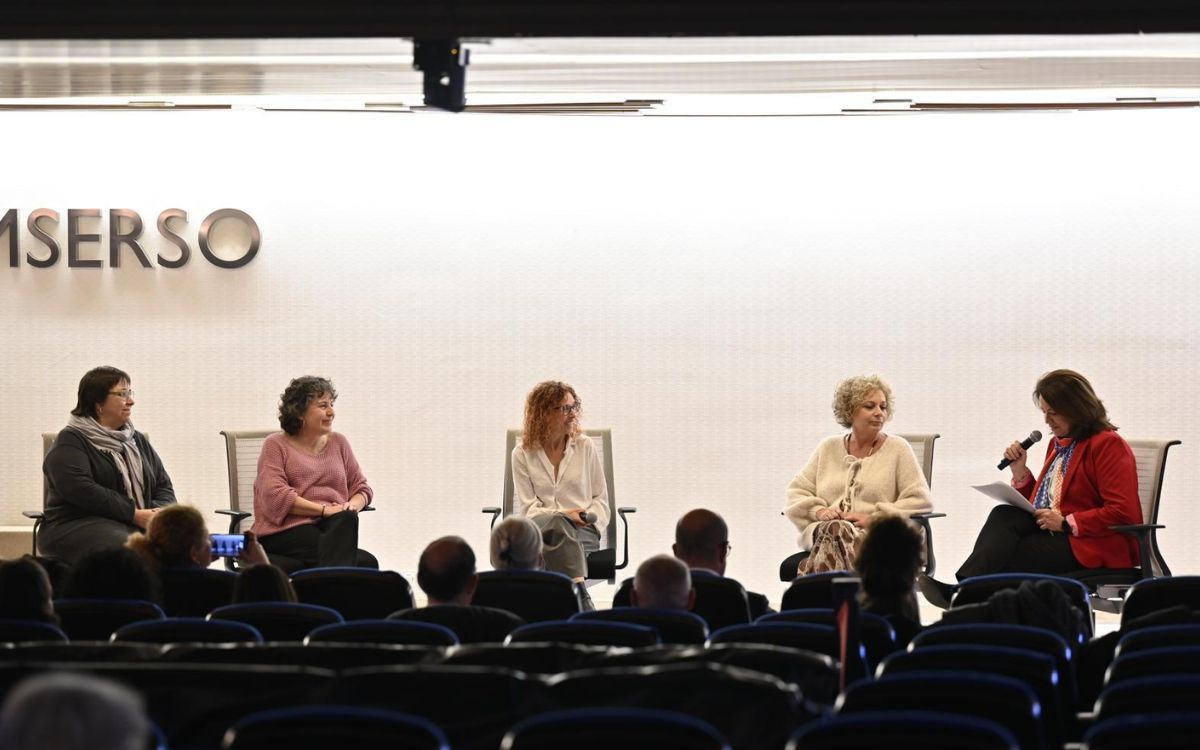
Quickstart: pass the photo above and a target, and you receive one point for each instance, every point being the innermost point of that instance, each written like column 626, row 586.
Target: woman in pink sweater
column 309, row 488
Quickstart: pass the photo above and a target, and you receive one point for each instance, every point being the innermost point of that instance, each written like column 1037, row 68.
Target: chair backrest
column 673, row 626
column 602, row 439
column 187, row 630
column 588, row 633
column 14, row 630
column 279, row 621
column 242, row 448
column 356, row 593
column 605, row 728
column 903, row 729
column 194, row 592
column 1153, row 594
column 922, row 445
column 1167, row 731
column 720, row 601
column 1151, row 459
column 813, row 590
column 1004, row 700
column 1158, row 636
column 98, row 619
column 1149, row 695
column 875, row 633
column 979, row 589
column 1153, row 662
column 403, row 632
column 321, row 726
column 532, row 595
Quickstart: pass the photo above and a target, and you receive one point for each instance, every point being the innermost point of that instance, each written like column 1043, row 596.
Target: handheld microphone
column 1034, row 436
column 589, row 517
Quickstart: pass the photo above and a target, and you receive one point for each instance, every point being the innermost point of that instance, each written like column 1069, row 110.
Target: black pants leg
column 1011, row 542
column 331, row 541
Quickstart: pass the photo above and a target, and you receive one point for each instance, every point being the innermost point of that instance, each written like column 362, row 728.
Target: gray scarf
column 121, row 446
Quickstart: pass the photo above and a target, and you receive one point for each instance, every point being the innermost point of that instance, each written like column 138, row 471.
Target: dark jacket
column 83, row 482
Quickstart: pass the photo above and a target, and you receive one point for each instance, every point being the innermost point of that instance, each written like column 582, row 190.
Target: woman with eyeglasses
column 310, row 489
column 854, row 478
column 104, row 480
column 558, row 481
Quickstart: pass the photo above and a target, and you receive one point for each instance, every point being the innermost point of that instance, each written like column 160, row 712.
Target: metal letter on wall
column 229, row 213
column 9, row 224
column 43, row 236
column 185, row 252
column 116, row 237
column 74, row 237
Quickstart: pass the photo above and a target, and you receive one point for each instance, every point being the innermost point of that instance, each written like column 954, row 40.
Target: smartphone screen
column 227, row 545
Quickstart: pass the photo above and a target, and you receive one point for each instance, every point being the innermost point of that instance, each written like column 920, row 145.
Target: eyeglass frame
column 124, row 395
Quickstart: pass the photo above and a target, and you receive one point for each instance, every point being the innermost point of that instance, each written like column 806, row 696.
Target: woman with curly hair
column 854, row 479
column 310, row 489
column 558, row 480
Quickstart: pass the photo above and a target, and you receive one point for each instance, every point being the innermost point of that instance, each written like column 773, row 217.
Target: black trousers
column 331, row 541
column 1011, row 542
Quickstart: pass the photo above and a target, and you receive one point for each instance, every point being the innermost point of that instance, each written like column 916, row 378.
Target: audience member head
column 544, row 413
column 1069, row 395
column 663, row 582
column 25, row 592
column 889, row 561
column 702, row 540
column 94, row 389
column 517, row 545
column 72, row 711
column 446, row 572
column 296, row 398
column 177, row 537
column 118, row 573
column 853, row 391
column 262, row 583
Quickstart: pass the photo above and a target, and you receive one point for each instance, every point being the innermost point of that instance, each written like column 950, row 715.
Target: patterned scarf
column 121, row 446
column 1049, row 490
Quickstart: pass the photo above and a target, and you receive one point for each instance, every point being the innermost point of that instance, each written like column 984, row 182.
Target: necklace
column 871, row 452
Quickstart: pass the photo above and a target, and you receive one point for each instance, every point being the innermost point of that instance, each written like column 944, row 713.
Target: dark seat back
column 332, row 726
column 188, row 630
column 472, row 624
column 673, row 626
column 606, row 728
column 278, row 621
column 356, row 593
column 812, row 591
column 1160, row 593
column 194, row 592
column 589, row 632
column 21, row 631
column 384, row 631
column 875, row 633
column 903, row 729
column 98, row 619
column 532, row 595
column 1168, row 731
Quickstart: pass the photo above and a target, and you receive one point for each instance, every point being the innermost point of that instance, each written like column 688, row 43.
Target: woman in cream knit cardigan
column 853, row 479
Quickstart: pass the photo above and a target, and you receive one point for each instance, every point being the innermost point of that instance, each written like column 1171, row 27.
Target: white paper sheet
column 1005, row 493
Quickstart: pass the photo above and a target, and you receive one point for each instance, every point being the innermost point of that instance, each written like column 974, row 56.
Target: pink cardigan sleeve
column 273, row 496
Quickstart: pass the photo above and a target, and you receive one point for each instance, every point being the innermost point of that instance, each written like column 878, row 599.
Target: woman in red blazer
column 1088, row 483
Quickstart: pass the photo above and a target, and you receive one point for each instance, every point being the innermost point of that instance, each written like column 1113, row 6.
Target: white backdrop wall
column 704, row 283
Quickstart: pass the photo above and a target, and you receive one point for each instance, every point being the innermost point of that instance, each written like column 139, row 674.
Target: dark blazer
column 84, row 482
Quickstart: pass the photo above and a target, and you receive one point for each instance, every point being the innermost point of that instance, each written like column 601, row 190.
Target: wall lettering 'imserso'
column 124, row 232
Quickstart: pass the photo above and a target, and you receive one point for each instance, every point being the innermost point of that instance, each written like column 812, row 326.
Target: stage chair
column 333, row 726
column 922, row 445
column 606, row 728
column 602, row 564
column 278, row 621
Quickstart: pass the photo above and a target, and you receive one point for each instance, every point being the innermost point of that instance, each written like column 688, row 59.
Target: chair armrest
column 367, row 508
column 235, row 518
column 495, row 513
column 36, row 515
column 1143, row 532
column 622, row 512
column 923, row 520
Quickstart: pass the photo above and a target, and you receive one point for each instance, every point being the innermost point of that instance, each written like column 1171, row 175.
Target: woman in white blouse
column 558, row 480
column 853, row 479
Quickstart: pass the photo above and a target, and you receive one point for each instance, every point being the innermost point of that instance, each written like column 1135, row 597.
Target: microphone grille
column 1035, row 436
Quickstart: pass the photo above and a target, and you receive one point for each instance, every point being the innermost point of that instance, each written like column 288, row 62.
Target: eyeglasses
column 124, row 395
column 570, row 408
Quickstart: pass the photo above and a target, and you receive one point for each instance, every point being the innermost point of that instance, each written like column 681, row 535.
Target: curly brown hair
column 296, row 398
column 540, row 407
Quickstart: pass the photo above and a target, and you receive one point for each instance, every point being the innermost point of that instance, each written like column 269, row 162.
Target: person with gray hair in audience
column 72, row 711
column 517, row 545
column 663, row 582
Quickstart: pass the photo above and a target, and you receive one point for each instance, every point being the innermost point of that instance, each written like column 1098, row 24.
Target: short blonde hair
column 516, row 544
column 852, row 391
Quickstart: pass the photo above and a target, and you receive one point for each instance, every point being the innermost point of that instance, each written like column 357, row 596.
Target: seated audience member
column 889, row 562
column 263, row 583
column 663, row 582
column 702, row 543
column 103, row 478
column 310, row 489
column 517, row 545
column 446, row 573
column 25, row 592
column 118, row 573
column 178, row 538
column 72, row 711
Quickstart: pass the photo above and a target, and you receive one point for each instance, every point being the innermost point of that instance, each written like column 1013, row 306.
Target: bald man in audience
column 702, row 543
column 663, row 582
column 446, row 573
